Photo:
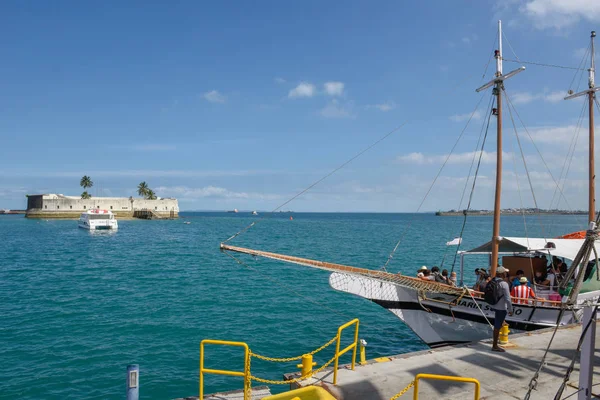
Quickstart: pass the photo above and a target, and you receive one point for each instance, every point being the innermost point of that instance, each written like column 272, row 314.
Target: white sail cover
column 564, row 248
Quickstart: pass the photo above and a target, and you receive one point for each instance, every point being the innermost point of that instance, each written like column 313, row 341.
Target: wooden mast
column 497, row 199
column 498, row 84
column 592, row 174
column 591, row 95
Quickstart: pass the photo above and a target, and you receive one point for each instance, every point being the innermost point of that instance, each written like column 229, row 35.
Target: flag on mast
column 454, row 242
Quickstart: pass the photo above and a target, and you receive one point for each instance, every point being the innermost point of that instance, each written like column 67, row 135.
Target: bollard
column 503, row 337
column 133, row 382
column 306, row 366
column 363, row 352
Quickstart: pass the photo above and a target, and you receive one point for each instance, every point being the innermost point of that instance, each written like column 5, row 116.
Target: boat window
column 99, row 216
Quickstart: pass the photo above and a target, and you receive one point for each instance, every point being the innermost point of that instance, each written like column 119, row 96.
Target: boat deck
column 502, row 375
column 257, row 394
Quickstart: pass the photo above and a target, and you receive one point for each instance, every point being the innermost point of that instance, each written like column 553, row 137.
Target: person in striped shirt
column 522, row 291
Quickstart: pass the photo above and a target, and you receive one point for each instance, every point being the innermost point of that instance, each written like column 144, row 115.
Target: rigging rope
column 561, row 389
column 360, row 153
column 510, row 107
column 542, row 157
column 473, row 186
column 391, row 256
column 540, row 64
column 585, row 55
column 569, row 157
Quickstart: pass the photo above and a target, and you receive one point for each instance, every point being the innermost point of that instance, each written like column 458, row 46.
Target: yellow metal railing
column 445, row 378
column 245, row 374
column 353, row 346
column 306, row 365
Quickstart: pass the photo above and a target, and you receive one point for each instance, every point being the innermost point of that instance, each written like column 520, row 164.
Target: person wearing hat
column 502, row 307
column 523, row 291
column 420, row 271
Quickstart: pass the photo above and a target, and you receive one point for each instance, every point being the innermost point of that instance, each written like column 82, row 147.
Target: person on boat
column 522, row 291
column 503, row 305
column 541, row 280
column 420, row 271
column 479, row 273
column 427, row 275
column 445, row 277
column 453, row 278
column 517, row 280
column 486, row 279
column 435, row 272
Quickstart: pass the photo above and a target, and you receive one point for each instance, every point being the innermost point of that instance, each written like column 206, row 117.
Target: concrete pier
column 502, row 375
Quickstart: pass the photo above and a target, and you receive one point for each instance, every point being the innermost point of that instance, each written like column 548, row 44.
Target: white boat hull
column 438, row 323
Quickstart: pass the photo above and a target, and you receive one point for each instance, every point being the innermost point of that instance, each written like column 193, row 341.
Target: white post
column 499, row 59
column 586, row 363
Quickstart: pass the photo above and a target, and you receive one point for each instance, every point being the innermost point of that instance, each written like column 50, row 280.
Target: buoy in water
column 291, row 218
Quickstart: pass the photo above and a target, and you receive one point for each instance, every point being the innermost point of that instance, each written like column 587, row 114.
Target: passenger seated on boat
column 420, row 271
column 453, row 278
column 516, row 279
column 427, row 275
column 445, row 277
column 435, row 272
column 522, row 292
column 541, row 280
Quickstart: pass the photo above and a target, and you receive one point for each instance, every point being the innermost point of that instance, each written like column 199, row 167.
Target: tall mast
column 498, row 84
column 591, row 95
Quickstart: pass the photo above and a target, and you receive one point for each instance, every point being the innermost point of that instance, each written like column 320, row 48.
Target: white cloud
column 214, row 97
column 210, row 192
column 336, row 110
column 555, row 134
column 279, row 80
column 387, row 106
column 465, row 117
column 469, row 39
column 304, row 89
column 334, row 88
column 457, row 158
column 528, row 97
column 559, row 14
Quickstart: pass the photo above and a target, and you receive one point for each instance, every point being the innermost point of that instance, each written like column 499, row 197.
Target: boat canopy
column 564, row 248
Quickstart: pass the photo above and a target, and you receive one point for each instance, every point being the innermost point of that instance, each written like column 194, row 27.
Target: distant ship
column 254, row 213
column 235, row 210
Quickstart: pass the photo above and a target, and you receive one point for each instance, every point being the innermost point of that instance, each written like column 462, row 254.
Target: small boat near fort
column 98, row 220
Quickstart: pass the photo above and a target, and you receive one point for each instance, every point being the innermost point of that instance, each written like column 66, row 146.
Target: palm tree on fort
column 85, row 183
column 143, row 189
column 151, row 195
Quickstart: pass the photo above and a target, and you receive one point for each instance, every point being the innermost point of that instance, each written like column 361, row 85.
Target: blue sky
column 243, row 104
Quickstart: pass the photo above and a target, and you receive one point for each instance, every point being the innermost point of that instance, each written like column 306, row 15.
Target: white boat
column 254, row 213
column 442, row 314
column 98, row 219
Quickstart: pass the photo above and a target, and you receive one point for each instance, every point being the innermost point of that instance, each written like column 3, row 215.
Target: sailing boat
column 441, row 314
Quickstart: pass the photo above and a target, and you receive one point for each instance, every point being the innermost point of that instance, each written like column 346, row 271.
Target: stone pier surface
column 257, row 394
column 502, row 375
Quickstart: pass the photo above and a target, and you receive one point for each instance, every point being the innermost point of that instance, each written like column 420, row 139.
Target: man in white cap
column 497, row 295
column 420, row 271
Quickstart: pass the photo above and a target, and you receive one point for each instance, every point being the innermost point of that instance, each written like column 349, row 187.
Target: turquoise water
column 77, row 307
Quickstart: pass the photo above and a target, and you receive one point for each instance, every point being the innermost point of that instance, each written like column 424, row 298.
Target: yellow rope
column 295, row 380
column 406, row 389
column 288, row 359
